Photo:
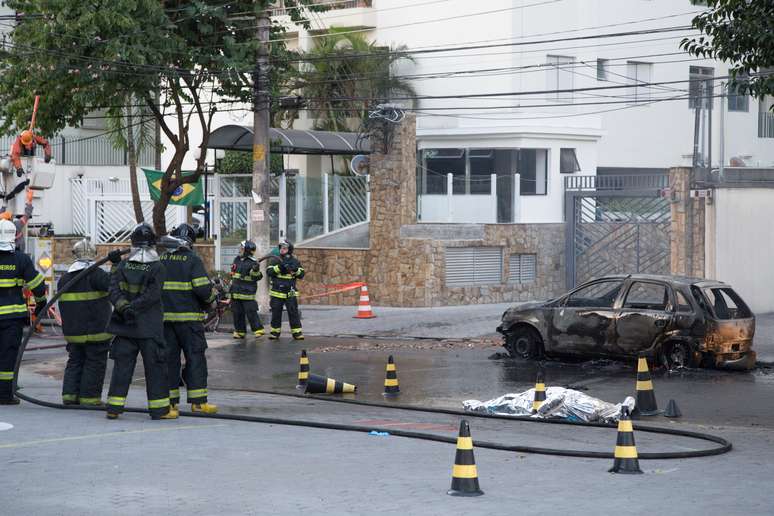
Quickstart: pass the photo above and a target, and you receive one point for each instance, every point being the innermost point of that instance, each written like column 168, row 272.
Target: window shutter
column 523, row 268
column 473, row 266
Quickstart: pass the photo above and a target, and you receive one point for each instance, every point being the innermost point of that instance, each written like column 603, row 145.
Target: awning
column 290, row 141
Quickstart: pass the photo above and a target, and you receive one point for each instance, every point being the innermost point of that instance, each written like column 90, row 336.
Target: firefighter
column 186, row 294
column 16, row 271
column 284, row 272
column 138, row 325
column 85, row 310
column 25, row 145
column 245, row 275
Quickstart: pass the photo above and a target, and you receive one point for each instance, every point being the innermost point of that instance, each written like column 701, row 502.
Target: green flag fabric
column 189, row 194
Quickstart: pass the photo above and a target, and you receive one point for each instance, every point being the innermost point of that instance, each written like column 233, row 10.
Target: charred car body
column 677, row 321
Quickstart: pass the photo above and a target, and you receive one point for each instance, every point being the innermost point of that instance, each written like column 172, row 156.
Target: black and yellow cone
column 540, row 392
column 321, row 385
column 646, row 398
column 625, row 456
column 303, row 370
column 464, row 474
column 391, row 387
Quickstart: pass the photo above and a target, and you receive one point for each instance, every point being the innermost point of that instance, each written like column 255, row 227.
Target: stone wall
column 326, row 268
column 688, row 225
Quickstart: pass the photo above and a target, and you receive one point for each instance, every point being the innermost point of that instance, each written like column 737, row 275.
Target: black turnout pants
column 187, row 337
column 85, row 372
column 277, row 304
column 241, row 308
column 124, row 354
column 10, row 340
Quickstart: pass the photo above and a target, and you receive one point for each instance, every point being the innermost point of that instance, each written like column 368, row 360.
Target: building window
column 522, row 268
column 437, row 163
column 641, row 74
column 467, row 266
column 533, row 167
column 560, row 77
column 700, row 87
column 737, row 101
column 568, row 162
column 602, row 65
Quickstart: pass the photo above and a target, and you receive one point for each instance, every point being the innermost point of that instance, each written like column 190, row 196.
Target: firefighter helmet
column 7, row 235
column 143, row 235
column 84, row 250
column 186, row 232
column 249, row 247
column 26, row 137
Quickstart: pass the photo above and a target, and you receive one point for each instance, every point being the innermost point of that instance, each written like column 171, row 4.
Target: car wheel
column 678, row 355
column 523, row 343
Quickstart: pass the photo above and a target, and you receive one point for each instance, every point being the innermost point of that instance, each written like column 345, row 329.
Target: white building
column 523, row 46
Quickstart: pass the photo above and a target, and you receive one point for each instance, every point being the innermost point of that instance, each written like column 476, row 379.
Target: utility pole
column 259, row 216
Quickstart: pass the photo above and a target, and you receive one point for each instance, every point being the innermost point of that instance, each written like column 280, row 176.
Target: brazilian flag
column 189, row 194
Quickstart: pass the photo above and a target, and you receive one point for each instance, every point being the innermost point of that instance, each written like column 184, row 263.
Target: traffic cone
column 303, row 370
column 364, row 305
column 540, row 392
column 646, row 398
column 464, row 474
column 672, row 410
column 321, row 385
column 391, row 388
column 625, row 456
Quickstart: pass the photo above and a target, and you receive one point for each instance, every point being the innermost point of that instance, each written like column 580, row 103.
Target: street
column 78, row 462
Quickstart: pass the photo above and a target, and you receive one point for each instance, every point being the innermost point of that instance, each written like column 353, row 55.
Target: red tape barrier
column 344, row 287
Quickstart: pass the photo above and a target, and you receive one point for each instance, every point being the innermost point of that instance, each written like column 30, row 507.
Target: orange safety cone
column 364, row 306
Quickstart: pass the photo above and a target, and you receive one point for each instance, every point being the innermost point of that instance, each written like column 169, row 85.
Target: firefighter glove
column 115, row 256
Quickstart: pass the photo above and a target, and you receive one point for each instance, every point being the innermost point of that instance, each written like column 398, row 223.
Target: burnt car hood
column 523, row 307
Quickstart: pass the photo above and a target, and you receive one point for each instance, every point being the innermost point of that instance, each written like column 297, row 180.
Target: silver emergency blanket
column 560, row 403
column 79, row 265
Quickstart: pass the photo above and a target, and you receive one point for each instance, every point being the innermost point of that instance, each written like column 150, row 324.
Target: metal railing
column 281, row 10
column 617, row 182
column 765, row 125
column 78, row 150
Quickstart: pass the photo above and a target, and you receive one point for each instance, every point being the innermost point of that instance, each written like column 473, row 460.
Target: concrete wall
column 744, row 244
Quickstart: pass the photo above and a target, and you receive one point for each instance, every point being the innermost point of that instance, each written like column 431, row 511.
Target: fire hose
column 723, row 445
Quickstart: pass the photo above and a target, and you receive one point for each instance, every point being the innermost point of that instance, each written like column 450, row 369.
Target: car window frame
column 737, row 301
column 671, row 307
column 614, row 305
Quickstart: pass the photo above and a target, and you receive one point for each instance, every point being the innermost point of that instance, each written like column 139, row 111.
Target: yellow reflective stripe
column 280, row 295
column 6, row 375
column 183, row 316
column 390, row 382
column 275, row 268
column 296, row 330
column 464, row 443
column 625, row 452
column 391, row 367
column 197, row 393
column 83, row 296
column 644, row 386
column 200, row 282
column 284, row 276
column 90, row 401
column 625, row 426
column 160, row 403
column 69, row 397
column 460, row 471
column 116, row 400
column 243, row 297
column 132, row 289
column 12, row 282
column 36, row 281
column 12, row 309
column 642, row 365
column 255, row 272
column 177, row 285
column 540, row 387
column 277, row 330
column 40, row 299
column 84, row 339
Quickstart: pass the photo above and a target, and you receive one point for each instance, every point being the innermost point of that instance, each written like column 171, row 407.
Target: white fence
column 478, row 208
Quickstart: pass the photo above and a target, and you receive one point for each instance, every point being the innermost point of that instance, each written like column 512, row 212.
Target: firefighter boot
column 238, row 335
column 204, row 408
column 259, row 332
column 172, row 414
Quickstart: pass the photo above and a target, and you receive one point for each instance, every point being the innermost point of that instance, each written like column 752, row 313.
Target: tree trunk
column 160, row 214
column 131, row 154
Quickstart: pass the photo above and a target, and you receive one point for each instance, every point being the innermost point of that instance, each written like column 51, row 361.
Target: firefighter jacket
column 283, row 275
column 17, row 271
column 137, row 285
column 85, row 307
column 245, row 275
column 186, row 291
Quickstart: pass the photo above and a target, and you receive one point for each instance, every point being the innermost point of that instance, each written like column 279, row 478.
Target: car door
column 585, row 319
column 645, row 315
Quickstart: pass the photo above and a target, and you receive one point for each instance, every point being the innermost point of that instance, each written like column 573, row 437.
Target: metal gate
column 617, row 225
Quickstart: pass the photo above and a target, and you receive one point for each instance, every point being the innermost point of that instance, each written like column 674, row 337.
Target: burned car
column 679, row 322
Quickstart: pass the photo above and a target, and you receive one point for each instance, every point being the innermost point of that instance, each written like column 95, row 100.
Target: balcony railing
column 765, row 125
column 281, row 10
column 80, row 150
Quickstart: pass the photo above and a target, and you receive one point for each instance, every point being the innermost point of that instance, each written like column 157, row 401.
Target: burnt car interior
column 726, row 304
column 601, row 294
column 647, row 296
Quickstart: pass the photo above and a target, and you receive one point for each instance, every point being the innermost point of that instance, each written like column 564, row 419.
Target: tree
column 742, row 33
column 123, row 134
column 337, row 70
column 179, row 59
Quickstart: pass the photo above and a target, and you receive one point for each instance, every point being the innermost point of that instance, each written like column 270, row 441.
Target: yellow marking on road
column 106, row 434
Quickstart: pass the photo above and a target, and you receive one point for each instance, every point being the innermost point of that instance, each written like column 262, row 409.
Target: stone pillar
column 688, row 225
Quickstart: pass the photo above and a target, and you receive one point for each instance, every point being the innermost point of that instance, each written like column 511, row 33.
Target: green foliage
column 338, row 70
column 742, row 33
column 236, row 162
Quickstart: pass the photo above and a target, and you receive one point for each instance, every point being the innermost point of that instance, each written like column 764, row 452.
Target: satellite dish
column 359, row 165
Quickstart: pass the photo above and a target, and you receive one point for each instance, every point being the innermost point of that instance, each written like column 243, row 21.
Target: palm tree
column 337, row 71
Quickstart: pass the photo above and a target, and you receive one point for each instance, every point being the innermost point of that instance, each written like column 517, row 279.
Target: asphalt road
column 70, row 462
